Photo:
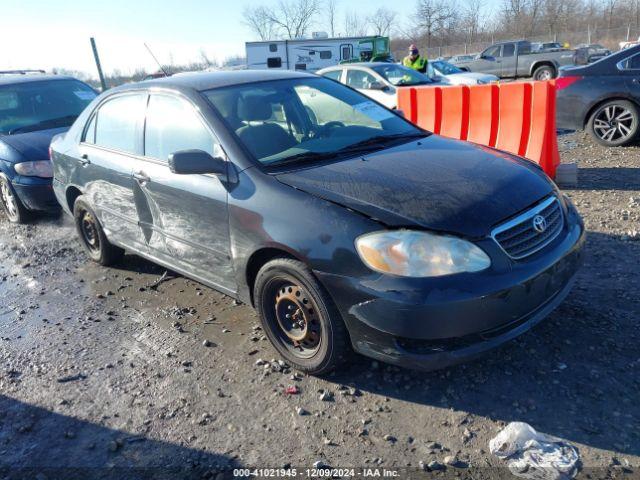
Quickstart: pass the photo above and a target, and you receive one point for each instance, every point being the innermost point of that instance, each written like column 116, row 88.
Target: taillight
column 564, row 82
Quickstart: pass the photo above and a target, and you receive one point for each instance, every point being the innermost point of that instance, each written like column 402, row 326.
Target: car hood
column 438, row 184
column 32, row 145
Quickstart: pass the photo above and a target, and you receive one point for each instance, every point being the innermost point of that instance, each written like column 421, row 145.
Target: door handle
column 84, row 160
column 141, row 178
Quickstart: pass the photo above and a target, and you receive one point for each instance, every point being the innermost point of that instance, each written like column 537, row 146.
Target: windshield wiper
column 378, row 141
column 365, row 145
column 64, row 121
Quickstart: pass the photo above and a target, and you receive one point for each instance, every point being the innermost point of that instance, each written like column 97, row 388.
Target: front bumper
column 36, row 193
column 433, row 323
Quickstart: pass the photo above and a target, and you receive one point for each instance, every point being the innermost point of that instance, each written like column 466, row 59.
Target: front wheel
column 545, row 72
column 15, row 210
column 299, row 317
column 92, row 236
column 614, row 123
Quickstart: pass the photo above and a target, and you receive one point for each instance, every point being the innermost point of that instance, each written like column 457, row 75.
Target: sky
column 50, row 34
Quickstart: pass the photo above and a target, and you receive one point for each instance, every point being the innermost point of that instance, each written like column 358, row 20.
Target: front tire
column 92, row 236
column 13, row 207
column 299, row 317
column 615, row 123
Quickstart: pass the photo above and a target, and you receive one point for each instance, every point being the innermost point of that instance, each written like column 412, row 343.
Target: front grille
column 525, row 235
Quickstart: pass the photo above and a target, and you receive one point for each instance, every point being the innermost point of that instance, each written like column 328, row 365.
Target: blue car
column 33, row 109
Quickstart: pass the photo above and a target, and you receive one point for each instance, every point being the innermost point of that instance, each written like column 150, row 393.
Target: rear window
column 39, row 105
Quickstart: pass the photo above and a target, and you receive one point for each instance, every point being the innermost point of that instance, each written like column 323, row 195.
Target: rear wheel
column 15, row 210
column 614, row 123
column 92, row 235
column 544, row 72
column 299, row 317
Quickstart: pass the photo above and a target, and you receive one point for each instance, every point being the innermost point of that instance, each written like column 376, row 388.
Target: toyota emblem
column 539, row 223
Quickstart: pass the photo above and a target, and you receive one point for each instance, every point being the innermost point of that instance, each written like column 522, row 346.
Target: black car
column 603, row 98
column 341, row 222
column 34, row 108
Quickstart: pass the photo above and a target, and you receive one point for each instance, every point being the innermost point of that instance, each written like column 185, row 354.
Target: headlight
column 419, row 254
column 41, row 168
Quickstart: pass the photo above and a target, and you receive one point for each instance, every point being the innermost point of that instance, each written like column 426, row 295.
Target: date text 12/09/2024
column 316, row 472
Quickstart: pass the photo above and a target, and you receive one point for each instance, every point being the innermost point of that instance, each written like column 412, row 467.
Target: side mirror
column 378, row 86
column 488, row 57
column 190, row 162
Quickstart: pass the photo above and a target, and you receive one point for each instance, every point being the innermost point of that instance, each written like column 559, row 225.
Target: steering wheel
column 325, row 130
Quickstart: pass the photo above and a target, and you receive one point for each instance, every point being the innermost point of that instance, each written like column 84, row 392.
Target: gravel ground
column 108, row 369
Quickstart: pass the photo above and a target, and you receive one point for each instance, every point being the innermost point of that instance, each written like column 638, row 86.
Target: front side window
column 492, row 51
column 320, row 119
column 117, row 123
column 359, row 79
column 40, row 105
column 172, row 125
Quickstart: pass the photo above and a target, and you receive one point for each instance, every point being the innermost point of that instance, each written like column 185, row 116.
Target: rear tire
column 299, row 317
column 13, row 207
column 92, row 236
column 544, row 72
column 615, row 123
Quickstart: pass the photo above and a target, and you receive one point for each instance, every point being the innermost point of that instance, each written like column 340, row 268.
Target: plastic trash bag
column 534, row 455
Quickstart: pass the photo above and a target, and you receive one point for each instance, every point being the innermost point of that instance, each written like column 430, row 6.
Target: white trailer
column 315, row 53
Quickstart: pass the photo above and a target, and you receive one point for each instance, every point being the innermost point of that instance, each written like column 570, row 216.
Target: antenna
column 154, row 57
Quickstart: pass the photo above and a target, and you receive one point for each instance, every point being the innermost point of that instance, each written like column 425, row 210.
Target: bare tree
column 382, row 21
column 258, row 19
column 294, row 17
column 331, row 16
column 355, row 25
column 472, row 18
column 433, row 16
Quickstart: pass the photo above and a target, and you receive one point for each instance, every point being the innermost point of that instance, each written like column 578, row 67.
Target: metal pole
column 628, row 32
column 588, row 34
column 103, row 84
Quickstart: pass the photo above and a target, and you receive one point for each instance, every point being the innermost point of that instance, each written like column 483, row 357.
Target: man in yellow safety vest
column 415, row 61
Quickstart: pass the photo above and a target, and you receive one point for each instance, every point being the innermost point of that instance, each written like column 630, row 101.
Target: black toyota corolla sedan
column 603, row 98
column 346, row 226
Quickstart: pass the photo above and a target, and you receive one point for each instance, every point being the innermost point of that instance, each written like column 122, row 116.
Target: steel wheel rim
column 89, row 230
column 544, row 75
column 295, row 318
column 613, row 123
column 8, row 200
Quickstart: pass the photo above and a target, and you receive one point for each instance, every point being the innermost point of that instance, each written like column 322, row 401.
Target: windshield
column 307, row 119
column 445, row 68
column 399, row 75
column 31, row 106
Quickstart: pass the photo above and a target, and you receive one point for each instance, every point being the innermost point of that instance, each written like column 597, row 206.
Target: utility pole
column 103, row 84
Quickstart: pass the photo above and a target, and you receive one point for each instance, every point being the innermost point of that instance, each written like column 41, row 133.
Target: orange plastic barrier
column 519, row 118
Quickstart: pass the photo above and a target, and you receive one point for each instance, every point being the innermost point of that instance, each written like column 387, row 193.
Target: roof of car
column 208, row 80
column 18, row 78
column 359, row 64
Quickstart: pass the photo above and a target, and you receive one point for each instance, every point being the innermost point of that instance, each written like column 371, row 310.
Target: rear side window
column 333, row 75
column 172, row 125
column 359, row 79
column 117, row 123
column 325, row 54
column 632, row 63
